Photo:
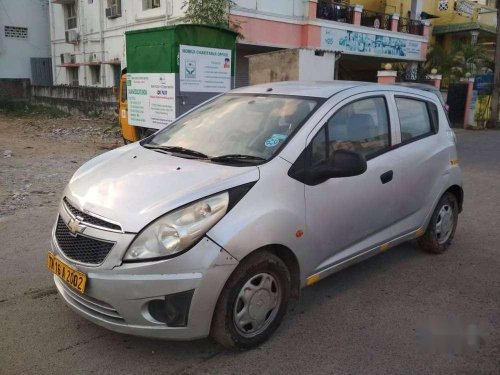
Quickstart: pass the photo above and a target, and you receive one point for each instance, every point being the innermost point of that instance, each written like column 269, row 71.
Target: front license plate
column 68, row 274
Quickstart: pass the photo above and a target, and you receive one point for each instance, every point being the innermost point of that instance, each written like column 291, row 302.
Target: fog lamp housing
column 173, row 310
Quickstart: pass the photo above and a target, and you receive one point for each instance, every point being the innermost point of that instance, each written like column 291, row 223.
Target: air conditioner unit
column 113, row 11
column 65, row 58
column 72, row 36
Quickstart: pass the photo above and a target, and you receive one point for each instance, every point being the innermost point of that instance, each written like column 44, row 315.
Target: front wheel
column 252, row 303
column 442, row 226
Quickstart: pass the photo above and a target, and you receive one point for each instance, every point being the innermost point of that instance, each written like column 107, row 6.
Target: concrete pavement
column 381, row 316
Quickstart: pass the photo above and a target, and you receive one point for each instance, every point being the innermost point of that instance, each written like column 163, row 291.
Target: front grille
column 89, row 219
column 91, row 305
column 81, row 248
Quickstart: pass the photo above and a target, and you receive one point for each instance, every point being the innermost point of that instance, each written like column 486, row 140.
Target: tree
column 469, row 58
column 210, row 12
column 496, row 86
column 461, row 59
column 440, row 59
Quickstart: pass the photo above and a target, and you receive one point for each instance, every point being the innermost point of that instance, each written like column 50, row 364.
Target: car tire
column 252, row 303
column 439, row 234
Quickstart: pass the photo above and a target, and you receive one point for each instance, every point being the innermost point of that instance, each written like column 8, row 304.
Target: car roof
column 420, row 86
column 425, row 87
column 318, row 89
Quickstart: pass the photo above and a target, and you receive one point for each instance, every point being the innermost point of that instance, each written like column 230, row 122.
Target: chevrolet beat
column 209, row 226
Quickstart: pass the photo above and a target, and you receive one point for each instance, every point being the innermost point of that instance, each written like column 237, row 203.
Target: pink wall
column 311, row 36
column 262, row 31
column 282, row 34
column 423, row 50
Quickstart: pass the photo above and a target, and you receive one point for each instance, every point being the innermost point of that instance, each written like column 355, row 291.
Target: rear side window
column 361, row 126
column 414, row 118
column 124, row 92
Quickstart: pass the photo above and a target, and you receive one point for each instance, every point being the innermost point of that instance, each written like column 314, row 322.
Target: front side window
column 251, row 125
column 414, row 119
column 361, row 126
column 123, row 96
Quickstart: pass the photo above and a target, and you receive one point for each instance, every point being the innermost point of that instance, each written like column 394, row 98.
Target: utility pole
column 496, row 84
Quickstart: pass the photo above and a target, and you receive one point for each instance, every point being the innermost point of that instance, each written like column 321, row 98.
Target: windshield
column 248, row 127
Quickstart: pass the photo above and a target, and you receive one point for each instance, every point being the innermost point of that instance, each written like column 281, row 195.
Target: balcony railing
column 341, row 11
column 334, row 11
column 406, row 25
column 376, row 20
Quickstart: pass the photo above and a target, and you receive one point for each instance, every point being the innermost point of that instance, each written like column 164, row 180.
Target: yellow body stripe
column 420, row 232
column 312, row 279
column 385, row 246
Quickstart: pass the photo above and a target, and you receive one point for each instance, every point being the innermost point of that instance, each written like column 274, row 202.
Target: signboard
column 151, row 99
column 204, row 69
column 465, row 8
column 483, row 83
column 369, row 44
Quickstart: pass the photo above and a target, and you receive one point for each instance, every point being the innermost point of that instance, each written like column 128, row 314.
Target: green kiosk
column 172, row 69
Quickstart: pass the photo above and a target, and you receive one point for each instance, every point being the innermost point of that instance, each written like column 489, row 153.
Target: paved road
column 374, row 317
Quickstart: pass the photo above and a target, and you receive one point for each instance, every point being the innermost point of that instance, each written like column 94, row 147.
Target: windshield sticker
column 281, row 137
column 274, row 140
column 271, row 142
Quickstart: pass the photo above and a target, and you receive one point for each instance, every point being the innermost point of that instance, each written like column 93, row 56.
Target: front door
column 348, row 215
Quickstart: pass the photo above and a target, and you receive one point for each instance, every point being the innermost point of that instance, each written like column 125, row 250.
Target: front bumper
column 117, row 295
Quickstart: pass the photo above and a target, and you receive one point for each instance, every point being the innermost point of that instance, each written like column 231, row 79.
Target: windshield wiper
column 177, row 150
column 237, row 158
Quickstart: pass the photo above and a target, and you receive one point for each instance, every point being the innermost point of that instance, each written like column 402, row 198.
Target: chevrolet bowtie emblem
column 75, row 226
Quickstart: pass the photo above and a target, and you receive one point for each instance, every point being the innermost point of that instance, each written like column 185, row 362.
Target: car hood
column 133, row 185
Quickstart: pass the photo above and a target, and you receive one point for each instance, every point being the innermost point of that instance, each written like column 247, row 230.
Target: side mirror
column 344, row 163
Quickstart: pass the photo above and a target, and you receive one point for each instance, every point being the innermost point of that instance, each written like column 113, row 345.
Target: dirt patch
column 39, row 153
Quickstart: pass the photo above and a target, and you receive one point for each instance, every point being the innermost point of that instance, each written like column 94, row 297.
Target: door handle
column 386, row 177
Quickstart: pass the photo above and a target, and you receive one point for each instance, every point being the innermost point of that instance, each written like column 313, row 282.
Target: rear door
column 422, row 158
column 348, row 215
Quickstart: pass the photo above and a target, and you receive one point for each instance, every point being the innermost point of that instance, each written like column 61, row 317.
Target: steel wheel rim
column 444, row 224
column 257, row 304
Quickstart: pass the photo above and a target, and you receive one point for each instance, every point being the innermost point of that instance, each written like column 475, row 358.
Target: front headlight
column 179, row 229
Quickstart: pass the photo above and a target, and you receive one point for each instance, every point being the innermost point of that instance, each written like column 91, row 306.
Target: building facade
column 88, row 36
column 463, row 20
column 25, row 40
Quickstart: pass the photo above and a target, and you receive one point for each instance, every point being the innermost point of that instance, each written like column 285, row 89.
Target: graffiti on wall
column 369, row 44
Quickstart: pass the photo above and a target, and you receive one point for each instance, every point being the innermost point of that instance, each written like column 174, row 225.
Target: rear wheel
column 252, row 303
column 442, row 226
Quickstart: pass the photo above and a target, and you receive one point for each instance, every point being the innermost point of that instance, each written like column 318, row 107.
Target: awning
column 458, row 27
column 427, row 16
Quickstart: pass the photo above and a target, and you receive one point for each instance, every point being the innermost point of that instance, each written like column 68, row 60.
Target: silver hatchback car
column 211, row 225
